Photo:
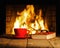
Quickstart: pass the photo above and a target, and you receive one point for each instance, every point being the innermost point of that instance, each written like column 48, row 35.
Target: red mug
column 20, row 32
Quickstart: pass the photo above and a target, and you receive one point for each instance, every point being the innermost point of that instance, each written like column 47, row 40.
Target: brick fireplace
column 49, row 13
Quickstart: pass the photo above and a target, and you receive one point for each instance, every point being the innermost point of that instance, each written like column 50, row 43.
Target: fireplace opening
column 34, row 18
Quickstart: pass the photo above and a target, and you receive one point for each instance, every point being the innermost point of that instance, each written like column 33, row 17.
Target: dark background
column 42, row 3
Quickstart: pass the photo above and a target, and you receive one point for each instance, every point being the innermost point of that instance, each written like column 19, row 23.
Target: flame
column 16, row 24
column 41, row 22
column 27, row 20
column 42, row 25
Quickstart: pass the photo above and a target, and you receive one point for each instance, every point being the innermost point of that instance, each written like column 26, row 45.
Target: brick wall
column 10, row 18
column 51, row 18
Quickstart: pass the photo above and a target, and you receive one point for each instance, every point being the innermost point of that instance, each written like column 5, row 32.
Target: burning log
column 44, row 30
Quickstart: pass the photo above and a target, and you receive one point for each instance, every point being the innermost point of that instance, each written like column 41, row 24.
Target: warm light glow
column 27, row 20
column 42, row 25
column 36, row 25
column 33, row 32
column 16, row 24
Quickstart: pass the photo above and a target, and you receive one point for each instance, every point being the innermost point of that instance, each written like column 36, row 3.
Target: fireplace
column 34, row 18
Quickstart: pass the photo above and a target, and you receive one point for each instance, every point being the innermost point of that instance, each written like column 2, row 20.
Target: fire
column 16, row 24
column 42, row 24
column 27, row 20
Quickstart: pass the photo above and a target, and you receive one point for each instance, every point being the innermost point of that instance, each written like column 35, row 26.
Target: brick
column 8, row 19
column 8, row 30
